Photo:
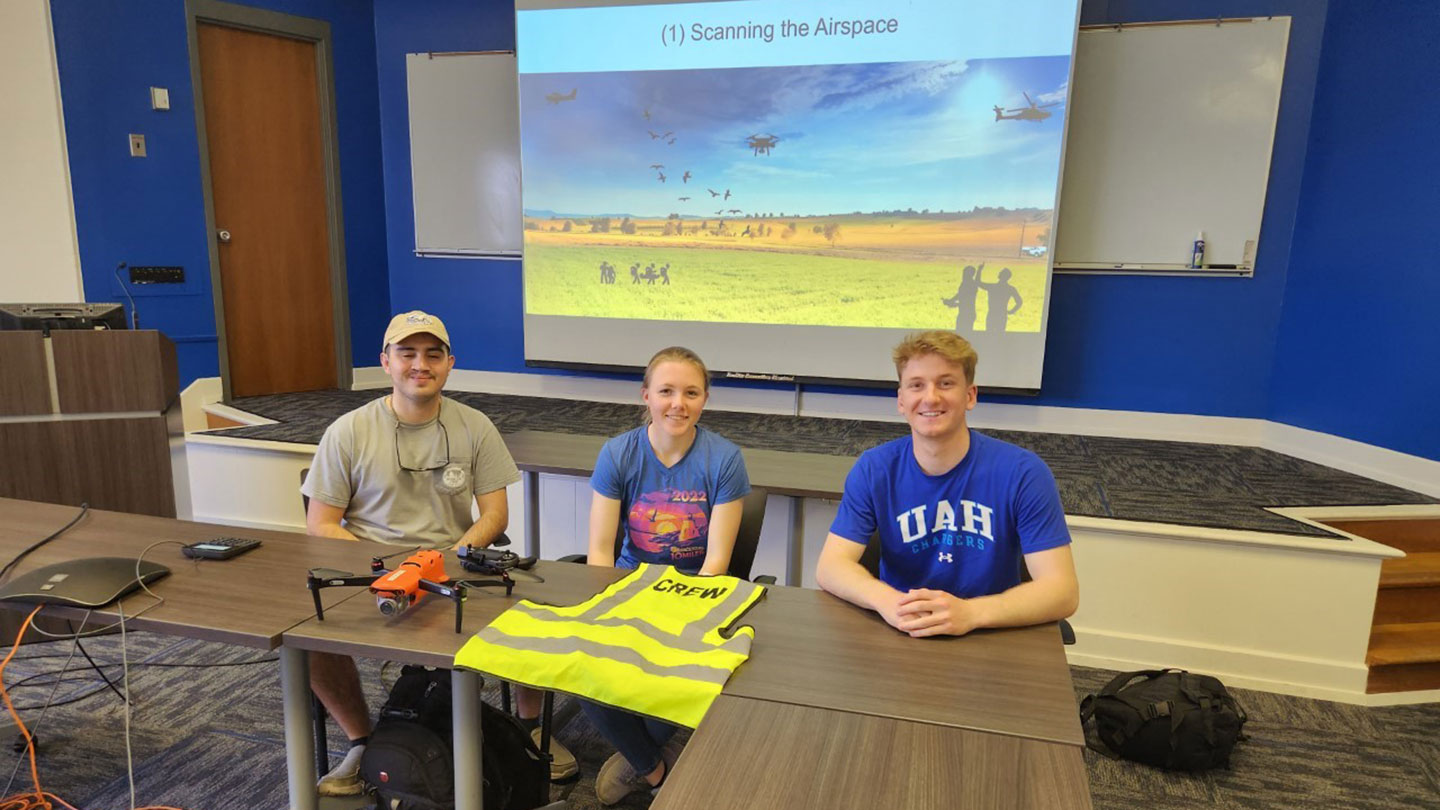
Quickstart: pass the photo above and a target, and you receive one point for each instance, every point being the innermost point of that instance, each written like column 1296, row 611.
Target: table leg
column 797, row 541
column 532, row 513
column 299, row 728
column 465, row 689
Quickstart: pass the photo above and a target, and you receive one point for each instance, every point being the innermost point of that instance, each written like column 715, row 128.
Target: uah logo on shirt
column 978, row 520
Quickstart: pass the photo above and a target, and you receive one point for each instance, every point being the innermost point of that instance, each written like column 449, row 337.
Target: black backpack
column 409, row 763
column 1171, row 719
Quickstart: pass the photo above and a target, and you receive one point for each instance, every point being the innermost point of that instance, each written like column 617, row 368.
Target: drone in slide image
column 423, row 571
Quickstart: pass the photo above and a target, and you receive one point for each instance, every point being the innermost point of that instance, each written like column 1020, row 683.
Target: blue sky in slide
column 861, row 137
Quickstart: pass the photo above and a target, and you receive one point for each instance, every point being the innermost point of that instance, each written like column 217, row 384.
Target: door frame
column 306, row 29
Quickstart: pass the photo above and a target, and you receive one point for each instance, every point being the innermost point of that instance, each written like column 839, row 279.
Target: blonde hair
column 948, row 345
column 676, row 354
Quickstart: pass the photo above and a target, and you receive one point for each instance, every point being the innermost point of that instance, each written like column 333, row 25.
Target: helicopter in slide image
column 1033, row 112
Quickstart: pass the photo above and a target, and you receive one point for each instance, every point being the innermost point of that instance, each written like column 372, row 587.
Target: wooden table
column 751, row 754
column 984, row 711
column 812, row 649
column 249, row 600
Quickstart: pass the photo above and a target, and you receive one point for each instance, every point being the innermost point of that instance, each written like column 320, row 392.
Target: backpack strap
column 1123, row 679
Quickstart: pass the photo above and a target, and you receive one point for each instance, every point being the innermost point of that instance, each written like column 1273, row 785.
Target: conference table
column 990, row 718
column 248, row 601
column 833, row 709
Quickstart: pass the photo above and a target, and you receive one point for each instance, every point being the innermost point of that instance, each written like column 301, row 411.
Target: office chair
column 870, row 559
column 747, row 540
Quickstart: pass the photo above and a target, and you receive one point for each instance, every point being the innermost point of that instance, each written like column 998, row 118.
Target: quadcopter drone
column 422, row 572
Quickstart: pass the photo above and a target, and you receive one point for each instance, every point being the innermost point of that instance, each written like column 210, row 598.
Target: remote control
column 221, row 548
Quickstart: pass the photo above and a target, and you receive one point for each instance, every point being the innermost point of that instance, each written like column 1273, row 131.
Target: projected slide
column 789, row 191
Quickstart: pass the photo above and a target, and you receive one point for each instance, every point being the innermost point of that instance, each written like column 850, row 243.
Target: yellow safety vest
column 657, row 642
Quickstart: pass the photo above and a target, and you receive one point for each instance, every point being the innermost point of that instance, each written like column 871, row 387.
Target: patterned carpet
column 1185, row 483
column 212, row 738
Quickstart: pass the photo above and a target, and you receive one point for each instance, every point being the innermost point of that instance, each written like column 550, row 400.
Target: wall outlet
column 137, row 145
column 157, row 275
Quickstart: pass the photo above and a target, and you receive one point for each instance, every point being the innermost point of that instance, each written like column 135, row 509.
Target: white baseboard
column 1392, row 467
column 1248, row 669
column 1244, row 669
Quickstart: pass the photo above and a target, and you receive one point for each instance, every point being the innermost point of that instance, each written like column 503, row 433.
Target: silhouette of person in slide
column 1000, row 293
column 635, row 273
column 963, row 301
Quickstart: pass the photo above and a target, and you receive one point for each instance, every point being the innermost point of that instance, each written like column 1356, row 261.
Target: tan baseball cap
column 413, row 323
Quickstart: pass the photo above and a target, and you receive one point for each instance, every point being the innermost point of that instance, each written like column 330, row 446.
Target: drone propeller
column 528, row 576
column 407, row 552
column 329, row 573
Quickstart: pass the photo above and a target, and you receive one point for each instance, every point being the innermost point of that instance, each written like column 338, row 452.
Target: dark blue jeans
column 638, row 739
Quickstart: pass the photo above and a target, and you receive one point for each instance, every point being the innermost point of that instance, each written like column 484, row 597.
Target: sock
column 359, row 741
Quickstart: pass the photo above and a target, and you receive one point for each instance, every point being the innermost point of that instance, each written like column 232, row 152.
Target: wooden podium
column 88, row 416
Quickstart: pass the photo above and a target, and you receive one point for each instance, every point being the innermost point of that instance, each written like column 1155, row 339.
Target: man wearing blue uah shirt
column 956, row 512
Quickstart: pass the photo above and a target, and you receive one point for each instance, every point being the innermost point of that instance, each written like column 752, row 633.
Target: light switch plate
column 159, row 98
column 137, row 145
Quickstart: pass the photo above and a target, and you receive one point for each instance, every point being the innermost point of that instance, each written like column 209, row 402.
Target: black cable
column 26, row 681
column 84, row 507
column 94, row 665
column 134, row 313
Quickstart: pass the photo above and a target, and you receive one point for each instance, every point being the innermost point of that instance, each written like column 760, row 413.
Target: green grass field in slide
column 737, row 286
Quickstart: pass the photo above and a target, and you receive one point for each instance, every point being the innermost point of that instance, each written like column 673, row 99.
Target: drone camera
column 392, row 604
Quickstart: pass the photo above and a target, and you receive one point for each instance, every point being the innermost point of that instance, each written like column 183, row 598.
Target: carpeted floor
column 212, row 738
column 1185, row 483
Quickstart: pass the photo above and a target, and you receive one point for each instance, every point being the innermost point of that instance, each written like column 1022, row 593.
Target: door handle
column 223, row 234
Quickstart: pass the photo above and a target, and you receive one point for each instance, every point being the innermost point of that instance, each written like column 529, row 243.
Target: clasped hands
column 922, row 612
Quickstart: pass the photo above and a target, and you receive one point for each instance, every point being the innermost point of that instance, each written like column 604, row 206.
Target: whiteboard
column 1170, row 134
column 465, row 153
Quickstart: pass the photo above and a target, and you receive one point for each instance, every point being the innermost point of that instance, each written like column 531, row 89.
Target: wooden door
column 267, row 179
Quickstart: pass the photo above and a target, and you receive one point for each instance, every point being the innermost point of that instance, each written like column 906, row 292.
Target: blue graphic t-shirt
column 962, row 532
column 666, row 510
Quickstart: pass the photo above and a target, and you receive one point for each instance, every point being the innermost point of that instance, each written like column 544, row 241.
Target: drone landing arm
column 315, row 581
column 454, row 592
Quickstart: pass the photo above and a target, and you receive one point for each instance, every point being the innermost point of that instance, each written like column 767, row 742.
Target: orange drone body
column 401, row 587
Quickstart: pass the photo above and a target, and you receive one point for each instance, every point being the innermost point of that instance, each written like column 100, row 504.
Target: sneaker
column 618, row 780
column 562, row 763
column 343, row 779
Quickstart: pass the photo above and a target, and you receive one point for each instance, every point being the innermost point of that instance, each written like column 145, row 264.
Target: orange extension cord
column 37, row 799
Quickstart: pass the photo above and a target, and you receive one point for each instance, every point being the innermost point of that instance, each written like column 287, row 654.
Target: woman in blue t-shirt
column 675, row 490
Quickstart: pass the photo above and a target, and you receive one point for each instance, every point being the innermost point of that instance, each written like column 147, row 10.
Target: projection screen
column 790, row 187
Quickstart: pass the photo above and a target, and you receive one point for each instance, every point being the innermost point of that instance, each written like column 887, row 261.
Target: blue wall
column 151, row 211
column 1359, row 337
column 1302, row 342
column 479, row 299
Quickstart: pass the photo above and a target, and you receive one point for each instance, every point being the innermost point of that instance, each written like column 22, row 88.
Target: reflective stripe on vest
column 657, row 642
